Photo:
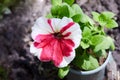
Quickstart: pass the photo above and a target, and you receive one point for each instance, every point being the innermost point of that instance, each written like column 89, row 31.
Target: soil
column 15, row 29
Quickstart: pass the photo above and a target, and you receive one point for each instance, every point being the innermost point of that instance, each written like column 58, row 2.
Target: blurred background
column 16, row 19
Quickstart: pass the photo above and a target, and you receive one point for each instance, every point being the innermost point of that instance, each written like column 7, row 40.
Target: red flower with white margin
column 55, row 40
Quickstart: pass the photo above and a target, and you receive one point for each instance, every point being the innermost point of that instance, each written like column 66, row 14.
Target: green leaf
column 101, row 53
column 83, row 18
column 97, row 39
column 112, row 47
column 84, row 45
column 102, row 20
column 55, row 11
column 85, row 61
column 63, row 72
column 111, row 24
column 78, row 59
column 76, row 18
column 104, row 54
column 89, row 20
column 105, row 20
column 64, row 11
column 89, row 62
column 70, row 2
column 77, row 9
column 56, row 2
column 108, row 14
column 95, row 16
column 77, row 13
column 105, row 44
column 86, row 32
column 71, row 11
column 86, row 19
column 49, row 16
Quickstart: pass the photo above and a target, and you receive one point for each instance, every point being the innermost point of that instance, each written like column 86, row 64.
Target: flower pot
column 96, row 74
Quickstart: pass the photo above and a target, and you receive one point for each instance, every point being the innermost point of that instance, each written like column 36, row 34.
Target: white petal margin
column 41, row 26
column 64, row 21
column 67, row 60
column 76, row 34
column 55, row 24
column 35, row 51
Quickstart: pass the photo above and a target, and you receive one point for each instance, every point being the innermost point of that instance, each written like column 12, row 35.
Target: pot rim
column 95, row 70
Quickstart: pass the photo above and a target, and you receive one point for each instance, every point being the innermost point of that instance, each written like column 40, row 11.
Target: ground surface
column 15, row 29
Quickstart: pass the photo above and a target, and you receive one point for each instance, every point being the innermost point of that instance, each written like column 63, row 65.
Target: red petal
column 47, row 52
column 67, row 34
column 50, row 23
column 57, row 54
column 67, row 47
column 66, row 27
column 61, row 48
column 42, row 40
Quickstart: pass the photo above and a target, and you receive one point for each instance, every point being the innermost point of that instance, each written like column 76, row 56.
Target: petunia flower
column 55, row 40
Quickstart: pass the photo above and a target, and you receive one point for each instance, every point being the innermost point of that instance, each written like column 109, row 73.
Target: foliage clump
column 5, row 6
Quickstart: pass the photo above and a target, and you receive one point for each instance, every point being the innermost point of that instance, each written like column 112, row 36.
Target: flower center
column 58, row 35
